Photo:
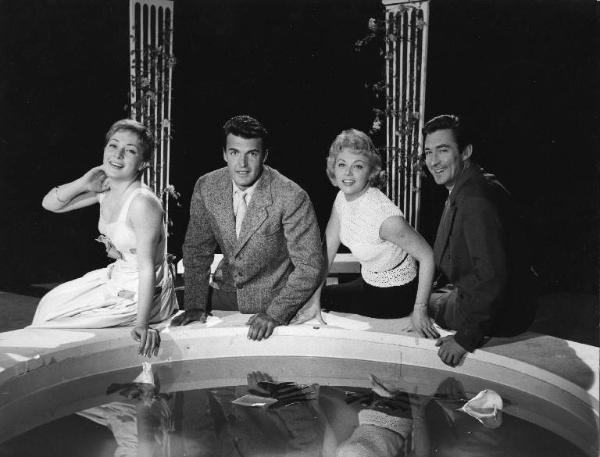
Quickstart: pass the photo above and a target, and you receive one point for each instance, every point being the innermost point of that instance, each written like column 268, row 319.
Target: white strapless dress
column 108, row 297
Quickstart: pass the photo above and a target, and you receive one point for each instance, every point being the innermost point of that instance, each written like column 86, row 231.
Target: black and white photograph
column 337, row 228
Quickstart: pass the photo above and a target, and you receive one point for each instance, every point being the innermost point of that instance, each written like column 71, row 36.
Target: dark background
column 524, row 73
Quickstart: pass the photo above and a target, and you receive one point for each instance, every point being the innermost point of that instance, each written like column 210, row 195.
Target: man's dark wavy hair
column 246, row 127
column 448, row 122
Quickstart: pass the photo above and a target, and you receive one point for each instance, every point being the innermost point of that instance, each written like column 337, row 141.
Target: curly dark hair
column 246, row 127
column 449, row 122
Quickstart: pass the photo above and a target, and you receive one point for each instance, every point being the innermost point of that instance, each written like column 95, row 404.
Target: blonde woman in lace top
column 397, row 264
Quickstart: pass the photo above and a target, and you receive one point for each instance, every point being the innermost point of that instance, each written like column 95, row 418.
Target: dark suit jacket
column 276, row 263
column 212, row 426
column 480, row 248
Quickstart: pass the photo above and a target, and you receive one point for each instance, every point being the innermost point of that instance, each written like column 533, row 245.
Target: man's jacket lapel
column 221, row 200
column 447, row 221
column 257, row 210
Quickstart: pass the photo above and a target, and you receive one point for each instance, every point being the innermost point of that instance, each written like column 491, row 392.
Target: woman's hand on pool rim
column 149, row 339
column 423, row 324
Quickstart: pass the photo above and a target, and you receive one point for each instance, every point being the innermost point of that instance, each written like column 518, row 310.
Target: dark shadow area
column 579, row 315
column 523, row 72
column 82, row 433
column 551, row 354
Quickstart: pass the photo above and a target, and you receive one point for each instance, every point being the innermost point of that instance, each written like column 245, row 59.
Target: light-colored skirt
column 107, row 297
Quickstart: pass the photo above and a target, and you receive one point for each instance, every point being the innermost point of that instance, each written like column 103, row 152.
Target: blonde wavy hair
column 360, row 143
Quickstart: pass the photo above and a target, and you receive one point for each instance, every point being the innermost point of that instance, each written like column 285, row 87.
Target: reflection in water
column 395, row 423
column 141, row 424
column 312, row 420
column 293, row 426
column 384, row 425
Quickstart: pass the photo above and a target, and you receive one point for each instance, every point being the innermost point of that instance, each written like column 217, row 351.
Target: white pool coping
column 561, row 371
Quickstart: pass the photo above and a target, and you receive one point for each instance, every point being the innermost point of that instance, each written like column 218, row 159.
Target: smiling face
column 123, row 155
column 245, row 158
column 352, row 171
column 443, row 157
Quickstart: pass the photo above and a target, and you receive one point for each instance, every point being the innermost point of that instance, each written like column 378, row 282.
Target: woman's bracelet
column 420, row 305
column 57, row 197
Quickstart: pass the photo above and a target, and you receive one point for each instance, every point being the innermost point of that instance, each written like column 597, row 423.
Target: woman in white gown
column 137, row 289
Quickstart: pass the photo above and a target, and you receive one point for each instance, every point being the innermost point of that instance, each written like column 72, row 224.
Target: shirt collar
column 249, row 191
column 467, row 173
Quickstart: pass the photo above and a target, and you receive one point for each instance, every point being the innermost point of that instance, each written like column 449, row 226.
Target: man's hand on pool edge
column 450, row 351
column 188, row 316
column 261, row 326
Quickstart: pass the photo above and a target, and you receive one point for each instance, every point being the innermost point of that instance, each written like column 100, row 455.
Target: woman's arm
column 396, row 230
column 312, row 308
column 332, row 239
column 76, row 194
column 145, row 215
column 332, row 244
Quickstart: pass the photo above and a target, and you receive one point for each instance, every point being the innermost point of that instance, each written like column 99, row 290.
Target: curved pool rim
column 559, row 371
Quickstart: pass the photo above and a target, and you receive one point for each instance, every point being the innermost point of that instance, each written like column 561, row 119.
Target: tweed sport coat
column 276, row 263
column 481, row 248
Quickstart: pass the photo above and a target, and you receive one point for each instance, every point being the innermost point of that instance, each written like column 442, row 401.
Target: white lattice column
column 405, row 73
column 151, row 73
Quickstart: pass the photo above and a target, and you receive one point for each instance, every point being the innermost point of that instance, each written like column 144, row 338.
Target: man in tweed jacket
column 274, row 264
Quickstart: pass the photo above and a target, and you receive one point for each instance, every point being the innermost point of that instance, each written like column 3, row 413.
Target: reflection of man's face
column 444, row 159
column 245, row 158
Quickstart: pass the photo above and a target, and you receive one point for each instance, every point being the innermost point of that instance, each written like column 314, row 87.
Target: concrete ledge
column 558, row 371
column 343, row 263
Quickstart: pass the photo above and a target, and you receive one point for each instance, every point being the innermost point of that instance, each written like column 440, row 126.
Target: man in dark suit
column 265, row 226
column 484, row 286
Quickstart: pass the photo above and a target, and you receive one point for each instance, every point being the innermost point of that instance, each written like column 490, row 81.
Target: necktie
column 443, row 219
column 241, row 212
column 442, row 233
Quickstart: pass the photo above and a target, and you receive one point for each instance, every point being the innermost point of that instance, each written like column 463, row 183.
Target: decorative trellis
column 151, row 72
column 406, row 25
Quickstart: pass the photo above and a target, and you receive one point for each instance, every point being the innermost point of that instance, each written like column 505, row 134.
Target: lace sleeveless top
column 119, row 236
column 384, row 264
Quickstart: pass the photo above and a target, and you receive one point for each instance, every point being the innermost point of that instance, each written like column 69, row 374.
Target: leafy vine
column 382, row 35
column 149, row 82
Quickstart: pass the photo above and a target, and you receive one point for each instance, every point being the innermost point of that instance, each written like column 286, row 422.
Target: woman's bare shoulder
column 145, row 207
